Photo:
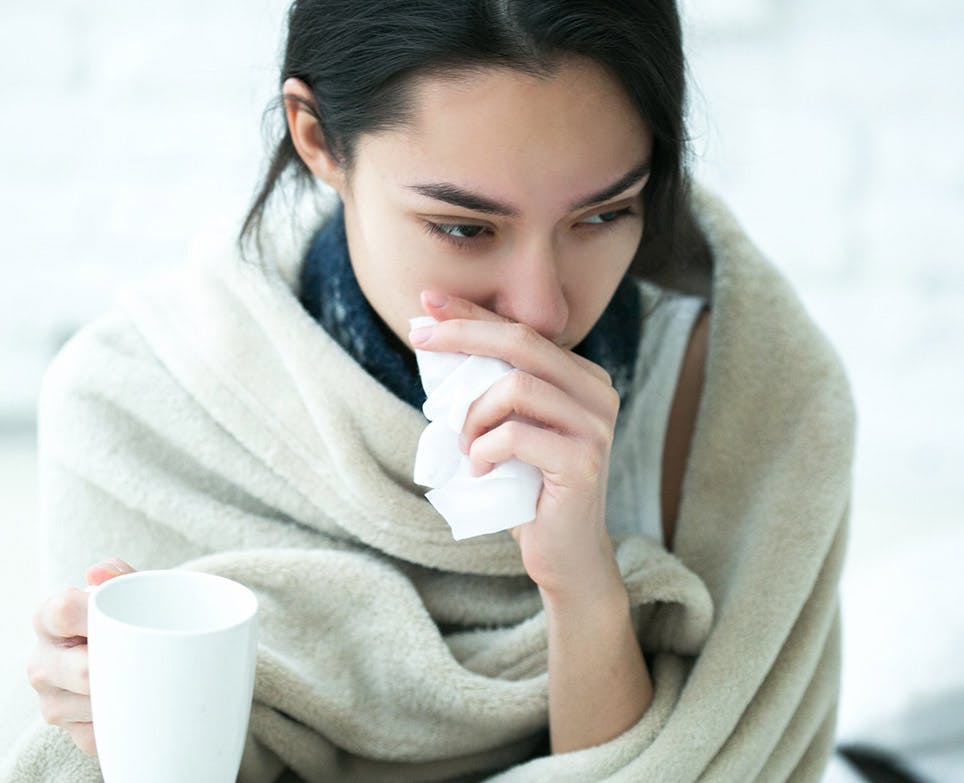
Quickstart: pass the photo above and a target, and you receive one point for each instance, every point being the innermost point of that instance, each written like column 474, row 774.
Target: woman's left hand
column 569, row 406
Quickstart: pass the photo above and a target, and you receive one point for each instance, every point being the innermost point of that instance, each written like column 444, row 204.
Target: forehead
column 515, row 136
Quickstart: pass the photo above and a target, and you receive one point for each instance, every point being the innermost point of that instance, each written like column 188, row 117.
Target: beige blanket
column 209, row 423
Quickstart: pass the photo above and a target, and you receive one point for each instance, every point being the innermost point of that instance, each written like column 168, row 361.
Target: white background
column 833, row 129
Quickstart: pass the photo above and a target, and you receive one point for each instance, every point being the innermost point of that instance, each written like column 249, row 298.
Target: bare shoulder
column 682, row 422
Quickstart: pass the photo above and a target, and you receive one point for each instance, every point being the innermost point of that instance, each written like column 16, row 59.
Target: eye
column 466, row 235
column 461, row 235
column 604, row 218
column 458, row 230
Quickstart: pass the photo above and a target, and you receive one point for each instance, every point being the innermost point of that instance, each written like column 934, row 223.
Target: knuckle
column 457, row 327
column 60, row 614
column 77, row 663
column 36, row 673
column 38, row 620
column 602, row 436
column 52, row 710
column 613, row 402
column 513, row 430
column 590, row 463
column 519, row 382
column 83, row 668
column 524, row 335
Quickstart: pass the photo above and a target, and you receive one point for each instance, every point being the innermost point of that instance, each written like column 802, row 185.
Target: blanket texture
column 210, row 423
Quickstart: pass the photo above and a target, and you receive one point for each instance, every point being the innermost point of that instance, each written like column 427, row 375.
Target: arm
column 598, row 682
column 599, row 685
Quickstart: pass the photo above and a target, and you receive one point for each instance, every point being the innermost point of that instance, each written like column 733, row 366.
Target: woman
column 515, row 170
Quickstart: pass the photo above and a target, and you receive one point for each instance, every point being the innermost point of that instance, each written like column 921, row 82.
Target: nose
column 531, row 292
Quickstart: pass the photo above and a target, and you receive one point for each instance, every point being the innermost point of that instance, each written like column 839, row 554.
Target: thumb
column 108, row 569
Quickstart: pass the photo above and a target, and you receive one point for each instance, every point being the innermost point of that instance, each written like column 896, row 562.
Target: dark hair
column 360, row 58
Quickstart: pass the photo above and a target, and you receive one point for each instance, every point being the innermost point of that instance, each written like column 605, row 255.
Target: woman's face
column 520, row 194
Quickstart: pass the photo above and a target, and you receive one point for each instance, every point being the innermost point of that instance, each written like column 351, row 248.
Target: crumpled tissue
column 504, row 497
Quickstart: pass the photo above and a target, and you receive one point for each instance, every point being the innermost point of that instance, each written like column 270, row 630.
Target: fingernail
column 463, row 443
column 436, row 299
column 421, row 334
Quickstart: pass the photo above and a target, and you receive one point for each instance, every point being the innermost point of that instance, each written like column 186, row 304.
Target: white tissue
column 504, row 497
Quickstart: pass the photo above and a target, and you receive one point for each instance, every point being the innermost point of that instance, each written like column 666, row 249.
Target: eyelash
column 465, row 243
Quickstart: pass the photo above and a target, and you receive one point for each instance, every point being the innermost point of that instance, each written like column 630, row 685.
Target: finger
column 456, row 307
column 592, row 368
column 564, row 461
column 519, row 345
column 64, row 668
column 60, row 708
column 535, row 400
column 62, row 617
column 108, row 569
column 83, row 736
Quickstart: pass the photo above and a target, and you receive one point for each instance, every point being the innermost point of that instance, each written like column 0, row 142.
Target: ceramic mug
column 172, row 659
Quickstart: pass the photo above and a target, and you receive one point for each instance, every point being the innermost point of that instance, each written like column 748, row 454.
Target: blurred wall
column 833, row 127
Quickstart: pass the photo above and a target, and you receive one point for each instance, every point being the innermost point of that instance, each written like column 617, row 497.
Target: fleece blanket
column 209, row 423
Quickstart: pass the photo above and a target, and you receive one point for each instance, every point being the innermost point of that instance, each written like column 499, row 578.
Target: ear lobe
column 307, row 135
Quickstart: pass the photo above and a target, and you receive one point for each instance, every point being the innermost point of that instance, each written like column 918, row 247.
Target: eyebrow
column 460, row 197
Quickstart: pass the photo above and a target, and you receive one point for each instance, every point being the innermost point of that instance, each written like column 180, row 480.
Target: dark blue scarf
column 330, row 293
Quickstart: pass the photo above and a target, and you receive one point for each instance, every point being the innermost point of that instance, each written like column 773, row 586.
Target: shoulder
column 682, row 421
column 694, row 360
column 98, row 345
column 90, row 382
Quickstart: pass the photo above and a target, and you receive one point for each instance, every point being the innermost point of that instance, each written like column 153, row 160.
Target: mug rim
column 249, row 612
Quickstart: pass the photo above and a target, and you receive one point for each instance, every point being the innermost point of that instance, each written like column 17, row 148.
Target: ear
column 307, row 135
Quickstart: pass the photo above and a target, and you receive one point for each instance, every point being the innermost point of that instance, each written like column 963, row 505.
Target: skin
column 57, row 669
column 552, row 269
column 526, row 289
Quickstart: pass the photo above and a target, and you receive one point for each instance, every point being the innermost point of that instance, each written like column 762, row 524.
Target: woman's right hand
column 58, row 666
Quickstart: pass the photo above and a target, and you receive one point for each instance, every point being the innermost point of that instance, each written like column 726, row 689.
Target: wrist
column 590, row 584
column 602, row 600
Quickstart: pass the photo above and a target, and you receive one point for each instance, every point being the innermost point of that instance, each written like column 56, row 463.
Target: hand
column 557, row 412
column 58, row 666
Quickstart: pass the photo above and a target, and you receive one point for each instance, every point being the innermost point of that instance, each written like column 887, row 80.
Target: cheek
column 431, row 263
column 384, row 274
column 596, row 271
column 608, row 253
column 404, row 262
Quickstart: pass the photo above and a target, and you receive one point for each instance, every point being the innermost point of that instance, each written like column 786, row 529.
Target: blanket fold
column 209, row 423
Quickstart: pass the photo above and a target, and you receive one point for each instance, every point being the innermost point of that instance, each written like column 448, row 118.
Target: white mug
column 172, row 659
